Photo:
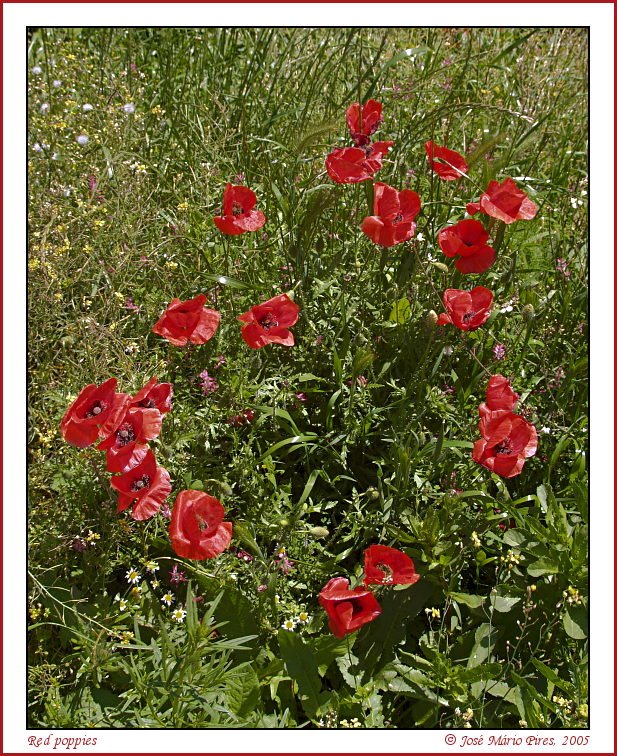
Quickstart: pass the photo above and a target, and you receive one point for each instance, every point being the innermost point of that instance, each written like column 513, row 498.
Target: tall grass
column 362, row 431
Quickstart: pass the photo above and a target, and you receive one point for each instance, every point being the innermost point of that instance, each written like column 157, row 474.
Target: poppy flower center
column 398, row 218
column 468, row 316
column 504, row 447
column 125, row 434
column 148, row 403
column 201, row 523
column 141, row 483
column 237, row 209
column 96, row 409
column 268, row 321
column 387, row 570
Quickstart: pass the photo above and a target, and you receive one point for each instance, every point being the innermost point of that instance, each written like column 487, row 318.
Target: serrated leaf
column 301, row 666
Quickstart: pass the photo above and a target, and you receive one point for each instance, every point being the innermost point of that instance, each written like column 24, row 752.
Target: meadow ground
column 359, row 434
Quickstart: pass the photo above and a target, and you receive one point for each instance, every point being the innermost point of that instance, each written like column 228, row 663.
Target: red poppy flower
column 447, row 164
column 146, row 486
column 239, row 215
column 467, row 310
column 363, row 122
column 94, row 414
column 384, row 565
column 504, row 201
column 197, row 530
column 269, row 323
column 499, row 395
column 188, row 321
column 395, row 212
column 467, row 238
column 154, row 396
column 507, row 441
column 350, row 165
column 347, row 610
column 127, row 446
column 245, row 417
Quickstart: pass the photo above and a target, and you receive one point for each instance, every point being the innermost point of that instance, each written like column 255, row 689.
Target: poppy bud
column 319, row 532
column 373, row 493
column 441, row 266
column 283, row 523
column 431, row 319
column 528, row 313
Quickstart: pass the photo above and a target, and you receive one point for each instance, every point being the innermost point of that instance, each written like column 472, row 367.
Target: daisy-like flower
column 289, row 624
column 123, row 604
column 155, row 584
column 168, row 599
column 136, row 593
column 303, row 618
column 132, row 576
column 151, row 566
column 178, row 615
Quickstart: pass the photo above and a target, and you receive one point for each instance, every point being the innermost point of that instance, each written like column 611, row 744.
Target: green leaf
column 576, row 622
column 468, row 599
column 301, row 666
column 242, row 690
column 242, row 532
column 401, row 311
column 485, row 638
column 502, row 604
column 553, row 677
column 542, row 567
column 286, row 442
column 328, row 648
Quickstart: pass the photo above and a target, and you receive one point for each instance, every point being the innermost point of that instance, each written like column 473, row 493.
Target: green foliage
column 362, row 432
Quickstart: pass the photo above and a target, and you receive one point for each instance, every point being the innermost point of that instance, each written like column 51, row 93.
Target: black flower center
column 125, row 434
column 387, row 570
column 202, row 524
column 468, row 316
column 268, row 321
column 141, row 483
column 96, row 409
column 504, row 447
column 148, row 403
column 237, row 209
column 398, row 218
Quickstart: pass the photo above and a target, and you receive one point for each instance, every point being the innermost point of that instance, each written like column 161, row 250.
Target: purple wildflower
column 176, row 576
column 244, row 556
column 285, row 565
column 130, row 305
column 262, row 588
column 499, row 352
column 301, row 396
column 562, row 267
column 220, row 361
column 208, row 384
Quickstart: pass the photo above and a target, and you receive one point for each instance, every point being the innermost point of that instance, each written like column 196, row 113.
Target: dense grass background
column 363, row 430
